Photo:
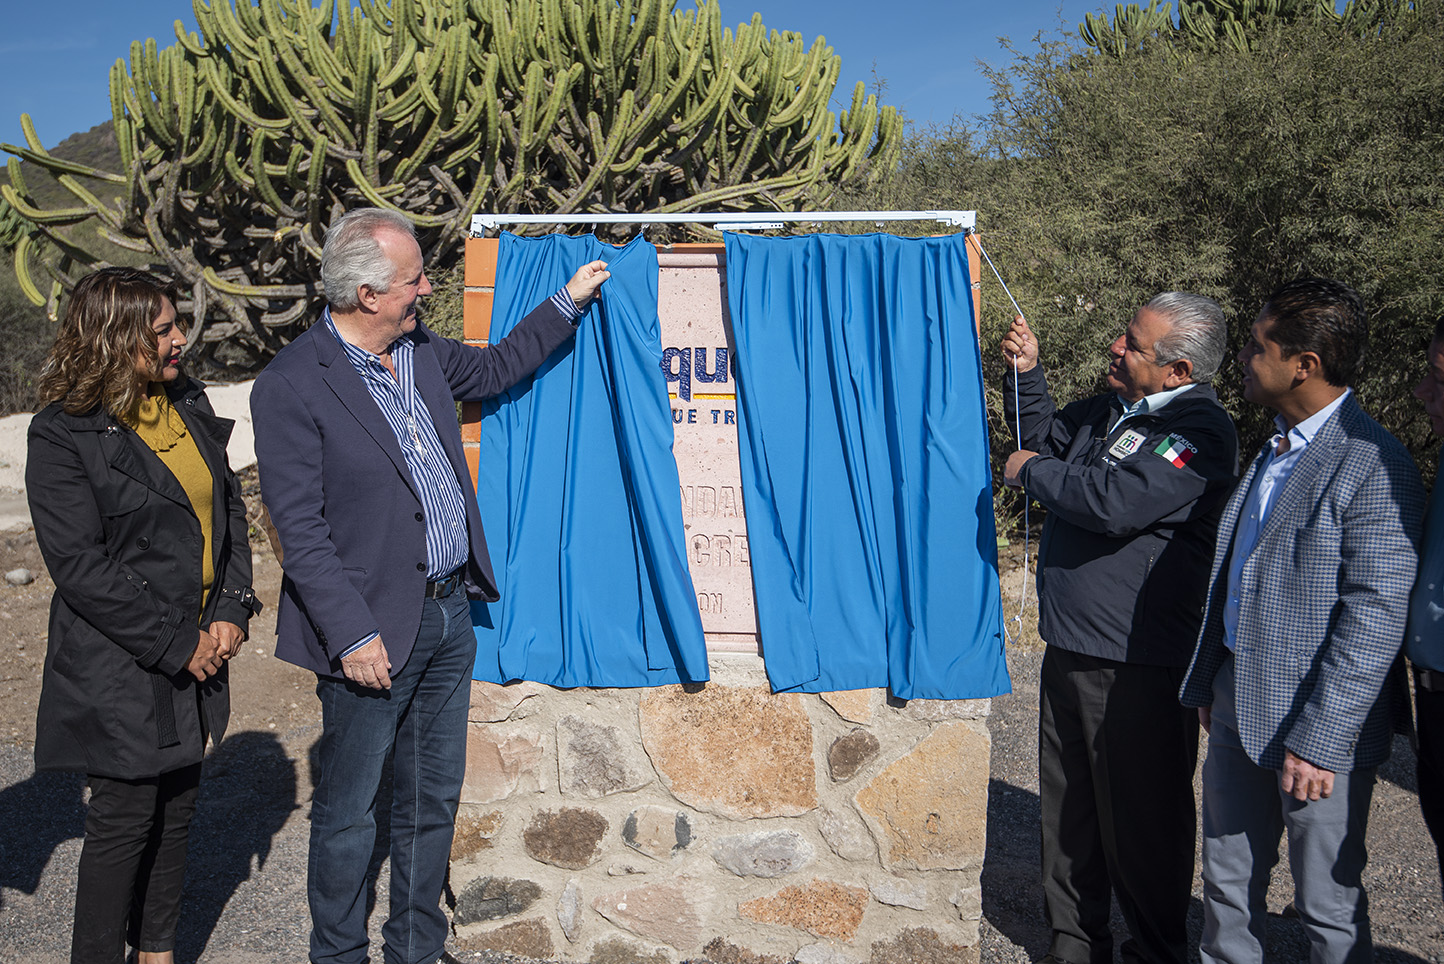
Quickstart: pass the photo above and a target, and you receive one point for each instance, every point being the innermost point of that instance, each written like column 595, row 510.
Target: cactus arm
column 262, row 179
column 121, row 240
column 97, row 207
column 804, row 96
column 335, row 127
column 546, row 122
column 314, row 175
column 605, row 158
column 218, row 19
column 56, row 165
column 453, row 75
column 222, row 92
column 23, row 249
column 376, row 197
column 403, row 50
column 59, row 216
column 218, row 283
column 189, row 40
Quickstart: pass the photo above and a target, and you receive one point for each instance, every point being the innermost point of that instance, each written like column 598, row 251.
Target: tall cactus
column 1210, row 25
column 238, row 145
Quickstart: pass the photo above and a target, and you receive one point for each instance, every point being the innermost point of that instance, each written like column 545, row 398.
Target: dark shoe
column 1050, row 959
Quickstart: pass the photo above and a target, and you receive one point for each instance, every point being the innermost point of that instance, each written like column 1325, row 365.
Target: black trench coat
column 124, row 548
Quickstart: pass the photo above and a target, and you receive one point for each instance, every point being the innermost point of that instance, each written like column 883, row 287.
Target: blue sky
column 926, row 50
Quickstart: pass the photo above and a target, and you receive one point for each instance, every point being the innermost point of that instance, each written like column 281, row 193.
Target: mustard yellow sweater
column 160, row 426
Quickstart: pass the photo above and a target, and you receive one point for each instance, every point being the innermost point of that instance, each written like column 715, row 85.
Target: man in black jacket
column 1133, row 481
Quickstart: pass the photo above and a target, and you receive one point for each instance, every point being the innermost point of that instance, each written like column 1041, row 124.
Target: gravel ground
column 245, row 898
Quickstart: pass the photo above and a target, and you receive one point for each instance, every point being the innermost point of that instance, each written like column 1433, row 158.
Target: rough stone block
column 614, row 950
column 475, row 831
column 719, row 951
column 922, row 944
column 823, row 954
column 969, row 902
column 847, row 835
column 670, row 911
column 596, row 760
column 899, row 892
column 570, row 837
column 764, row 854
column 850, row 753
column 657, row 832
column 524, row 938
column 569, row 910
column 940, row 711
column 492, row 898
column 735, row 751
column 493, row 702
column 929, row 808
column 498, row 763
column 823, row 908
column 855, row 706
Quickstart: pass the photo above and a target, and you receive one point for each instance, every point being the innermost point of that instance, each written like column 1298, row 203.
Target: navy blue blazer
column 342, row 499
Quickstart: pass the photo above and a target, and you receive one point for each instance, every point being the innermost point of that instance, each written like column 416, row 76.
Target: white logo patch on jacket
column 1127, row 444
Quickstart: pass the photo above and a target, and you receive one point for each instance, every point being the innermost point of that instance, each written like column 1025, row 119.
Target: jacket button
column 421, row 567
column 420, row 517
column 142, row 543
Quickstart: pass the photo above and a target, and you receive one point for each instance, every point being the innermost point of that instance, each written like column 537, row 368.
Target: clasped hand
column 214, row 646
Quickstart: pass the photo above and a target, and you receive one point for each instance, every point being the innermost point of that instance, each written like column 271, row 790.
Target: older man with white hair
column 363, row 473
column 1133, row 481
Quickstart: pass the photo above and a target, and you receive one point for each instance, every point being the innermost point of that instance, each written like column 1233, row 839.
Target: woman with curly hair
column 143, row 530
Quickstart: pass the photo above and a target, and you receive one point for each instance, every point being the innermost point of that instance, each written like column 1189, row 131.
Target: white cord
column 1018, row 436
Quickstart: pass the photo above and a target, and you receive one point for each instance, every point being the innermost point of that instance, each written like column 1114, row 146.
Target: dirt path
column 245, row 890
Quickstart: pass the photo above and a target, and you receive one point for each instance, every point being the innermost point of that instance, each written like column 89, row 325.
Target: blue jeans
column 423, row 717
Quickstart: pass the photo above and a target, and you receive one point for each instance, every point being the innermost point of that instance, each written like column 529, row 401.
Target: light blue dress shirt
column 1149, row 403
column 1268, row 481
column 1424, row 641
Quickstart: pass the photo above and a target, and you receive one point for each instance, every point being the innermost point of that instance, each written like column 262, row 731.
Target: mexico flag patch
column 1176, row 449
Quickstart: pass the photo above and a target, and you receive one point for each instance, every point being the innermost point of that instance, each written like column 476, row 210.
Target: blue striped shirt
column 432, row 476
column 447, row 544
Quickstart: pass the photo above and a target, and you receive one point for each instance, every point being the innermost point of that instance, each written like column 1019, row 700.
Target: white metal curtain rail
column 729, row 220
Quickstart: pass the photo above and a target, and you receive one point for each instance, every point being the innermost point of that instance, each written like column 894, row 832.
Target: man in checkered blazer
column 1297, row 674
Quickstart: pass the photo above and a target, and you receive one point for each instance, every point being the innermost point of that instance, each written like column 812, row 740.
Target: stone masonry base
column 655, row 825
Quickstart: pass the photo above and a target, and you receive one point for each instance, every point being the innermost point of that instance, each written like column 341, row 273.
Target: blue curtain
column 864, row 446
column 578, row 489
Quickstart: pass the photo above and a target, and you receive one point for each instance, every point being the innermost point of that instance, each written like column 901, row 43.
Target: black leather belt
column 1429, row 680
column 445, row 586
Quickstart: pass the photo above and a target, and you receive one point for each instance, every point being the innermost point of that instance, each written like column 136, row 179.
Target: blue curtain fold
column 578, row 488
column 865, row 466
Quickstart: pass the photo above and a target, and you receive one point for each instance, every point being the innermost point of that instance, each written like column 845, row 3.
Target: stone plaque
column 698, row 357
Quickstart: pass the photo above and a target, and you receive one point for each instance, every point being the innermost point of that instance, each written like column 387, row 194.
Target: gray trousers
column 1245, row 812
